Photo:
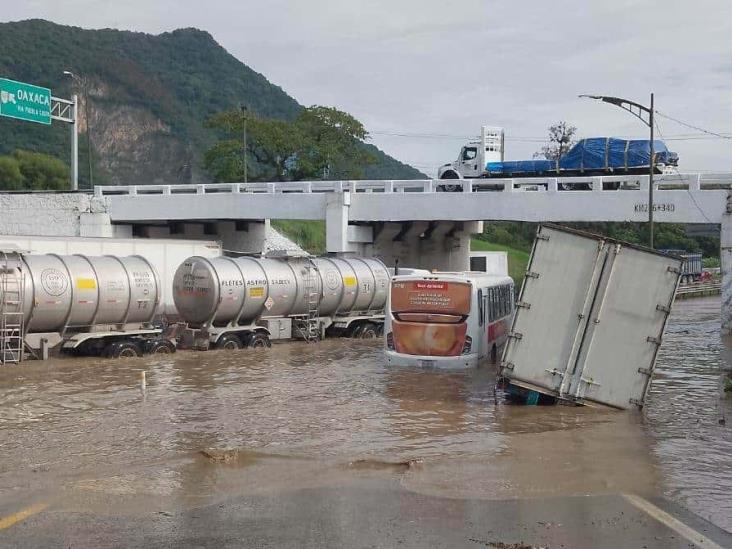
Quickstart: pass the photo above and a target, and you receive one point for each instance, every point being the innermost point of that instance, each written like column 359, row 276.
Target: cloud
column 435, row 67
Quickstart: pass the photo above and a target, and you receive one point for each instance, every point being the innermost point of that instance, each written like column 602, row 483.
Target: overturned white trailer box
column 589, row 319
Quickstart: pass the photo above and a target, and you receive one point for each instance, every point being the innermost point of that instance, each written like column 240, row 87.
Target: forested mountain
column 149, row 99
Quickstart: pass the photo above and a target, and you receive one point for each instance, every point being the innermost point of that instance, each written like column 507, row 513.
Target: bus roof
column 474, row 277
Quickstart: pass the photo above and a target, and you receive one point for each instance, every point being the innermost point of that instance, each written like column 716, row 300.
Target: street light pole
column 85, row 89
column 638, row 111
column 244, row 125
column 650, row 178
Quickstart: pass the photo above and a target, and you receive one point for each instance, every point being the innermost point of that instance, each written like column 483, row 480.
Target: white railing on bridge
column 692, row 182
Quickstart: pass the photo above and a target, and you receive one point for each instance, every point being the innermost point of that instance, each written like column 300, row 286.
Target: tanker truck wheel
column 124, row 349
column 160, row 347
column 230, row 342
column 259, row 341
column 369, row 331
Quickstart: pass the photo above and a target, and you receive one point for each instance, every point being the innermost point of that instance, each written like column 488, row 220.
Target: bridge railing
column 617, row 183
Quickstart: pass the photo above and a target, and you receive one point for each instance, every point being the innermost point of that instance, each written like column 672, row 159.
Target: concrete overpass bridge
column 411, row 221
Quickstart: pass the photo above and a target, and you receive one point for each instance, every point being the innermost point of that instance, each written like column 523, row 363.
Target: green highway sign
column 25, row 101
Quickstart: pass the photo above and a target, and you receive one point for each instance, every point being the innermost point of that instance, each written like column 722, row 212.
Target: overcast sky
column 442, row 69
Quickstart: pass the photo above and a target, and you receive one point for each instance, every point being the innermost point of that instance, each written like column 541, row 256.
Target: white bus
column 447, row 320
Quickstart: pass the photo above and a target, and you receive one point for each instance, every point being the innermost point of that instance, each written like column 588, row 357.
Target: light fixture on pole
column 85, row 90
column 645, row 115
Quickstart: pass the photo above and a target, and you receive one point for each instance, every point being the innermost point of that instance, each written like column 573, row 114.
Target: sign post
column 36, row 104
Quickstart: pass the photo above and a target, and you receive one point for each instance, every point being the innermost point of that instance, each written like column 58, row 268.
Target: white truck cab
column 475, row 154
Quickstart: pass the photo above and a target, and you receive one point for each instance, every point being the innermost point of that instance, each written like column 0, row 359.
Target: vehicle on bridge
column 447, row 320
column 596, row 156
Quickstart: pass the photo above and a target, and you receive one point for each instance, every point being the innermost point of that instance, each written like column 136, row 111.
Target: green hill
column 150, row 96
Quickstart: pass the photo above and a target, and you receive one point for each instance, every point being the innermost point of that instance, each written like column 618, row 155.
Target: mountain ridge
column 150, row 96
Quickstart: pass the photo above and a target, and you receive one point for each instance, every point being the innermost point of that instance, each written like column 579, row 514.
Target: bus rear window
column 430, row 296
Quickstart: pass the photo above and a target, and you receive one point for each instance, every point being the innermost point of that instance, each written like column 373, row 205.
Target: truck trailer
column 596, row 156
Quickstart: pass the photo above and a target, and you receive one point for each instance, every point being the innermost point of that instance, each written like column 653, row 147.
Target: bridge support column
column 725, row 254
column 438, row 245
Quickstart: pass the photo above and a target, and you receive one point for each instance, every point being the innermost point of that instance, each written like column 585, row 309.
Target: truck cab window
column 469, row 153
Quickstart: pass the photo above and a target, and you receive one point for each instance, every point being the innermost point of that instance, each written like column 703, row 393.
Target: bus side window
column 481, row 308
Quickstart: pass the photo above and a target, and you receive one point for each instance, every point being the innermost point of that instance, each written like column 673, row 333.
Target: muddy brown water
column 84, row 434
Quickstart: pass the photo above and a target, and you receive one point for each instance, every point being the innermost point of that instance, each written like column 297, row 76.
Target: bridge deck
column 679, row 198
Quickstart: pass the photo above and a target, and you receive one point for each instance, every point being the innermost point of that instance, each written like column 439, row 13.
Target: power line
column 693, row 127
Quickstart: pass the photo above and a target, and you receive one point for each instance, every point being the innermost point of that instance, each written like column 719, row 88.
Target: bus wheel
column 125, row 349
column 230, row 342
column 259, row 341
column 369, row 331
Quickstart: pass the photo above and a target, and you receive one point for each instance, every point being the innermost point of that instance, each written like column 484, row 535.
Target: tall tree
column 561, row 139
column 321, row 143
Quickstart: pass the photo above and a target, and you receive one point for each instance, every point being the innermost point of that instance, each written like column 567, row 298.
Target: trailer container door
column 631, row 306
column 552, row 309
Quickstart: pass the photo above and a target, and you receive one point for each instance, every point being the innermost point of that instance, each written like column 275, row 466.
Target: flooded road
column 85, row 435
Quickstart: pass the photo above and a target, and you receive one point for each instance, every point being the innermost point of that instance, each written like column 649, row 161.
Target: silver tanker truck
column 108, row 306
column 239, row 302
column 103, row 305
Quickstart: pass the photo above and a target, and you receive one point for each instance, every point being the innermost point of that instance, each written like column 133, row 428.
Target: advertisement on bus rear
column 429, row 316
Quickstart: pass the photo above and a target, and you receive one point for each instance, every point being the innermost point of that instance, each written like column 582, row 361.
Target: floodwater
column 86, row 434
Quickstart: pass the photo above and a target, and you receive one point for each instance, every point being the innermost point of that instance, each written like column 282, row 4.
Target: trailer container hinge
column 507, row 365
column 644, row 371
column 554, row 372
column 674, row 270
column 663, row 308
column 596, row 321
column 531, row 274
column 589, row 381
column 581, row 316
column 523, row 305
column 515, row 335
column 542, row 236
column 636, row 402
column 656, row 340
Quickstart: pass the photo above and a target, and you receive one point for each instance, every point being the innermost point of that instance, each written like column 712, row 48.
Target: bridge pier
column 725, row 256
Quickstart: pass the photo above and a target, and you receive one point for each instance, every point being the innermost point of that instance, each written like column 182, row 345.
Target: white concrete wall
column 43, row 214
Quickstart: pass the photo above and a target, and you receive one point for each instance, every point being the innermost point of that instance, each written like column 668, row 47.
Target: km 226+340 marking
column 662, row 207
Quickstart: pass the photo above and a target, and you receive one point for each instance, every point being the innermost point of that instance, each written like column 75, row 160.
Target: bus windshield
column 430, row 300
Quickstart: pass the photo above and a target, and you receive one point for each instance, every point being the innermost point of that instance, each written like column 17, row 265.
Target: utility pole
column 244, row 127
column 638, row 111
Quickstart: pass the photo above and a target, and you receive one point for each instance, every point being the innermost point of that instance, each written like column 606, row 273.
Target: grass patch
column 517, row 259
column 309, row 235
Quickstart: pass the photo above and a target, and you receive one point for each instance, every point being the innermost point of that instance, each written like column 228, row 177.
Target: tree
column 42, row 172
column 561, row 139
column 321, row 143
column 26, row 170
column 10, row 177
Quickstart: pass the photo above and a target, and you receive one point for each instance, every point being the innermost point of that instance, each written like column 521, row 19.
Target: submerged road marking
column 21, row 515
column 672, row 522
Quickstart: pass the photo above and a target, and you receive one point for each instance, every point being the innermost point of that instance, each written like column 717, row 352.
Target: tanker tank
column 67, row 293
column 239, row 291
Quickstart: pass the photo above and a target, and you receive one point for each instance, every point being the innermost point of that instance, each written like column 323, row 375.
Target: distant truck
column 596, row 156
column 692, row 269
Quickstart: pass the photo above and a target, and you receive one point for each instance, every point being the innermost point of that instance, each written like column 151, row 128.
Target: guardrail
column 604, row 184
column 699, row 289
